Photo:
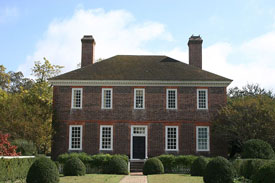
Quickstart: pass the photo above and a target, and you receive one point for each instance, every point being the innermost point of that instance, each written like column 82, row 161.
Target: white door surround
column 141, row 131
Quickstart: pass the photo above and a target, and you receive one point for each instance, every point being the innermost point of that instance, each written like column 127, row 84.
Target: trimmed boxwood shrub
column 74, row 167
column 15, row 169
column 183, row 163
column 250, row 167
column 237, row 166
column 153, row 166
column 198, row 166
column 168, row 161
column 219, row 170
column 85, row 158
column 117, row 165
column 43, row 170
column 256, row 148
column 266, row 174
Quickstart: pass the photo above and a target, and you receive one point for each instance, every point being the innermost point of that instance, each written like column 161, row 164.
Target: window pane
column 76, row 98
column 171, row 99
column 202, row 99
column 75, row 137
column 107, row 98
column 202, row 138
column 139, row 99
column 106, row 137
column 171, row 138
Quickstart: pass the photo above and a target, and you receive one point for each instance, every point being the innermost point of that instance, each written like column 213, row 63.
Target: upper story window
column 171, row 99
column 107, row 98
column 75, row 137
column 106, row 137
column 139, row 98
column 202, row 99
column 76, row 98
column 202, row 138
column 171, row 140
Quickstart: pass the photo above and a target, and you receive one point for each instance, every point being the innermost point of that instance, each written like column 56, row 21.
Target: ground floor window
column 202, row 138
column 75, row 137
column 171, row 138
column 106, row 137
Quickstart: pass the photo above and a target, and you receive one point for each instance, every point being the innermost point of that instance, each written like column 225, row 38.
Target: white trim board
column 138, row 83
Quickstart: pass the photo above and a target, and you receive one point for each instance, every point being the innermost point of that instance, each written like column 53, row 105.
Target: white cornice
column 138, row 83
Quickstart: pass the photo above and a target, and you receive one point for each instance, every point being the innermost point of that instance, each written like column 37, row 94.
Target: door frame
column 139, row 135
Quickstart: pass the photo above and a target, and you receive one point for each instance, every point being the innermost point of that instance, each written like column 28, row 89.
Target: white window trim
column 100, row 145
column 206, row 99
column 176, row 98
column 102, row 98
column 143, row 104
column 81, row 94
column 166, row 138
column 197, row 139
column 70, row 137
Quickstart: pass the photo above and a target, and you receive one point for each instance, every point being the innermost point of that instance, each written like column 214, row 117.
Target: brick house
column 141, row 106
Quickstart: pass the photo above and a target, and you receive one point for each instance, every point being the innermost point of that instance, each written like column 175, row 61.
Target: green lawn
column 174, row 178
column 92, row 178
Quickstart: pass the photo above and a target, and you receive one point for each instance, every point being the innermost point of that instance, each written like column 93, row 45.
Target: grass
column 174, row 178
column 92, row 178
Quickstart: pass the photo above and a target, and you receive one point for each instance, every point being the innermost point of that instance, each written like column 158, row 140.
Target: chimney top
column 88, row 38
column 195, row 40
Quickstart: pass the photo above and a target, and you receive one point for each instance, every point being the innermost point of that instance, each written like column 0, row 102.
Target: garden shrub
column 123, row 156
column 99, row 163
column 198, row 166
column 250, row 167
column 43, row 170
column 117, row 165
column 153, row 166
column 219, row 170
column 14, row 169
column 27, row 148
column 168, row 161
column 266, row 174
column 256, row 148
column 183, row 163
column 85, row 158
column 237, row 166
column 74, row 167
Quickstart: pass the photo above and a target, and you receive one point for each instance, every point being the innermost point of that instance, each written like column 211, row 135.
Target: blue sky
column 239, row 36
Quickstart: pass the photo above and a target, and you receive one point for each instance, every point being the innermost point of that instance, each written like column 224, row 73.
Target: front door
column 138, row 147
column 138, row 142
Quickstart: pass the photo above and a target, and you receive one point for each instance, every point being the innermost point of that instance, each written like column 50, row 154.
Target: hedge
column 15, row 169
column 256, row 148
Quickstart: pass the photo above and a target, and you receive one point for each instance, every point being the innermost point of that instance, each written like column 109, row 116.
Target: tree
column 4, row 78
column 6, row 149
column 250, row 116
column 45, row 71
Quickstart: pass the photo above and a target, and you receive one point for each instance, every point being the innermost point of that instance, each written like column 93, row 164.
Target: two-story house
column 138, row 105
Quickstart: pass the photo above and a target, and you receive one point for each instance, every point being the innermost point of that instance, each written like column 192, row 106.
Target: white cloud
column 7, row 13
column 117, row 32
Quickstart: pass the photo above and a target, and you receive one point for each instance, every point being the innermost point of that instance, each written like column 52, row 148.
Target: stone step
column 136, row 166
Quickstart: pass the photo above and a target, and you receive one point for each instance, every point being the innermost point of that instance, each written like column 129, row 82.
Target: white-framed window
column 171, row 99
column 202, row 99
column 139, row 98
column 202, row 138
column 106, row 137
column 171, row 138
column 76, row 98
column 107, row 98
column 75, row 137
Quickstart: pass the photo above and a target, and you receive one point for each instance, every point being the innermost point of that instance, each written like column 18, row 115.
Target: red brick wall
column 123, row 114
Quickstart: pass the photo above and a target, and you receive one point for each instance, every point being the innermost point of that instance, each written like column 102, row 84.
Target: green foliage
column 183, row 163
column 85, row 158
column 266, row 174
column 26, row 148
column 43, row 170
column 153, row 166
column 219, row 170
column 14, row 169
column 250, row 167
column 117, row 165
column 256, row 148
column 198, row 167
column 168, row 161
column 237, row 163
column 74, row 167
column 244, row 118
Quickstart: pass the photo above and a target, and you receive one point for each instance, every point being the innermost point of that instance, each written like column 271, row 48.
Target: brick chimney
column 195, row 51
column 88, row 46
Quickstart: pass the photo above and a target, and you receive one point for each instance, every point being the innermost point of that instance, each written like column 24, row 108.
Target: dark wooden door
column 139, row 147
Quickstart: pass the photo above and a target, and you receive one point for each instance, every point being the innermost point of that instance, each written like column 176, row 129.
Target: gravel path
column 134, row 178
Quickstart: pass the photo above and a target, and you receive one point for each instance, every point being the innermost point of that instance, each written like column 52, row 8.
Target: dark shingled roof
column 132, row 67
